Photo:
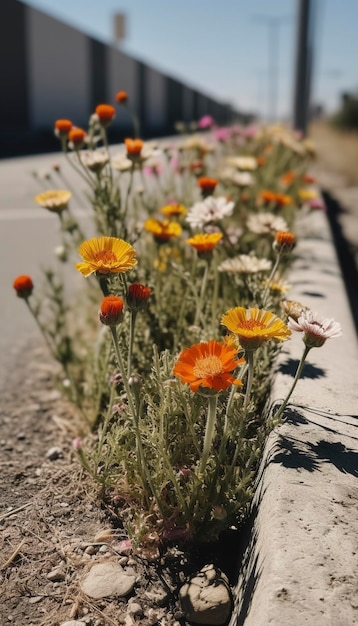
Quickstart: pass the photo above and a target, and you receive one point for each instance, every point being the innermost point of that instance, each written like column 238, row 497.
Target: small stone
column 106, row 580
column 21, row 436
column 35, row 599
column 103, row 549
column 90, row 550
column 73, row 622
column 206, row 599
column 54, row 453
column 135, row 609
column 56, row 575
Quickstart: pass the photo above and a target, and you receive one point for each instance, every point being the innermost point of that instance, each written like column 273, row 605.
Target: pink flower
column 222, row 134
column 318, row 204
column 316, row 330
column 206, row 122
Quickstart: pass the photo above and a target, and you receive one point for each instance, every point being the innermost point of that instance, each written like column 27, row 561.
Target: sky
column 225, row 47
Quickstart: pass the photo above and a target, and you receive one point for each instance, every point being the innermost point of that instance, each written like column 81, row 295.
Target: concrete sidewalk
column 301, row 566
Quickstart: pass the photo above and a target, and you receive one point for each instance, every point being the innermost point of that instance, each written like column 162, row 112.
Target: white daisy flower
column 245, row 264
column 209, row 211
column 316, row 330
column 264, row 223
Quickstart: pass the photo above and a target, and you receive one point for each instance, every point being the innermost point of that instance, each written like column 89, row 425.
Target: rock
column 73, row 622
column 107, row 579
column 56, row 575
column 206, row 598
column 54, row 453
column 135, row 609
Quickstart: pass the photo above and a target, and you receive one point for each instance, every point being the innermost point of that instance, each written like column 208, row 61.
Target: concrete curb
column 301, row 564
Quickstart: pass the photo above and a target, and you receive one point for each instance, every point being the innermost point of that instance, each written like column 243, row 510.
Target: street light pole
column 273, row 23
column 304, row 60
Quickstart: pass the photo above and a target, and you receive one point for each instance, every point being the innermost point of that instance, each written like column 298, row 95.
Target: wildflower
column 204, row 244
column 23, row 286
column 245, row 264
column 174, row 209
column 121, row 163
column 315, row 330
column 267, row 196
column 208, row 365
column 137, row 296
column 284, row 241
column 206, row 122
column 282, row 199
column 306, row 194
column 106, row 255
column 94, row 160
column 222, row 134
column 308, row 180
column 55, row 200
column 163, row 230
column 266, row 223
column 105, row 113
column 134, row 148
column 121, row 97
column 254, row 326
column 209, row 211
column 62, row 128
column 277, row 285
column 111, row 310
column 288, row 178
column 293, row 309
column 207, row 185
column 243, row 162
column 77, row 137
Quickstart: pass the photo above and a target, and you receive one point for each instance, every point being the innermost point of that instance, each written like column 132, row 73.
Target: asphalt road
column 28, row 236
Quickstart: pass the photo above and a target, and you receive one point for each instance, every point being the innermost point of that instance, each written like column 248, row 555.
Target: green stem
column 142, row 465
column 249, row 355
column 297, row 376
column 209, row 431
column 132, row 320
column 269, row 280
column 214, row 302
column 202, row 294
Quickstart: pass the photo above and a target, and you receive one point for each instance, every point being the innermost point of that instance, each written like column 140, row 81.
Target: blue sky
column 222, row 46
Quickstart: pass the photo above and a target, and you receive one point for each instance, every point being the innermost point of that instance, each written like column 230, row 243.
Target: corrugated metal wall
column 49, row 70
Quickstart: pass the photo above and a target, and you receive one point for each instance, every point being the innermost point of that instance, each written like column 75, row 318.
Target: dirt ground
column 53, row 526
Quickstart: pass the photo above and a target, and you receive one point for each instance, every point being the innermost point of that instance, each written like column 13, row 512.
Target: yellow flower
column 254, row 326
column 163, row 231
column 106, row 255
column 174, row 210
column 204, row 243
column 306, row 194
column 55, row 200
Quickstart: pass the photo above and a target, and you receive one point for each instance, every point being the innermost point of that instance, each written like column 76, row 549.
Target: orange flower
column 288, row 178
column 282, row 200
column 163, row 230
column 106, row 255
column 204, row 243
column 134, row 147
column 209, row 365
column 267, row 196
column 137, row 296
column 284, row 241
column 106, row 113
column 111, row 311
column 207, row 185
column 261, row 160
column 63, row 127
column 121, row 97
column 77, row 136
column 254, row 326
column 23, row 286
column 308, row 180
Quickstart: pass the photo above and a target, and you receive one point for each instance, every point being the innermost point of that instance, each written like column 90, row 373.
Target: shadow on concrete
column 289, row 368
column 308, row 456
column 344, row 252
column 314, row 294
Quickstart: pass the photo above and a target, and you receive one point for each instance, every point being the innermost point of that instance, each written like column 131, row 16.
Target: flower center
column 208, row 366
column 252, row 324
column 106, row 256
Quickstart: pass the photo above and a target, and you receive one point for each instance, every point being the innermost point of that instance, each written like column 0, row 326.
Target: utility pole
column 273, row 24
column 304, row 63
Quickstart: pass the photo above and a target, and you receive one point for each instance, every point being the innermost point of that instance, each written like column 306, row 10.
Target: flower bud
column 23, row 286
column 105, row 114
column 137, row 296
column 284, row 241
column 111, row 311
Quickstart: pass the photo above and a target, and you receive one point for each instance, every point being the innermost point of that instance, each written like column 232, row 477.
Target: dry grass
column 337, row 150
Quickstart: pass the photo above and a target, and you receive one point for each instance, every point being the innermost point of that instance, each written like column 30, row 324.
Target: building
column 49, row 70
